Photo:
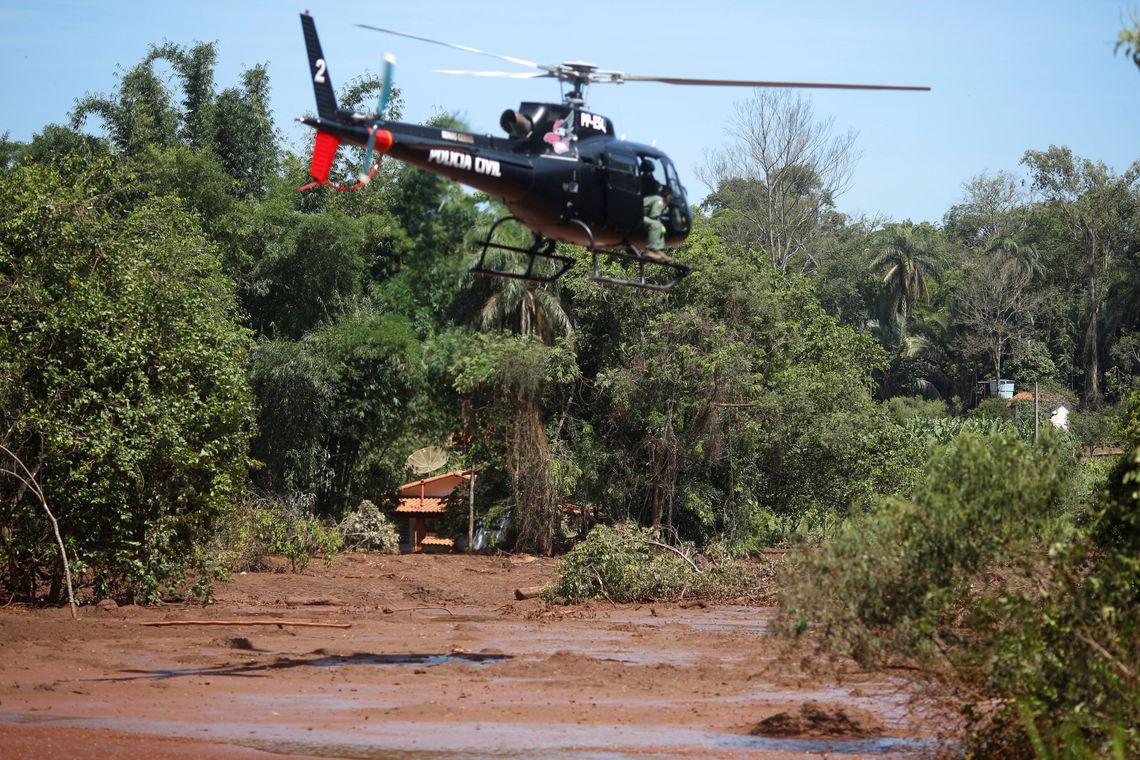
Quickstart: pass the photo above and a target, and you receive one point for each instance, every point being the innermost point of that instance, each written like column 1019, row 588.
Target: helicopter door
column 623, row 192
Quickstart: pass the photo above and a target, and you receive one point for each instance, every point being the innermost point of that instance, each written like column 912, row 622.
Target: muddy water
column 486, row 681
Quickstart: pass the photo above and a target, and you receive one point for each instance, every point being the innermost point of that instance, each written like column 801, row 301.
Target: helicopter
column 561, row 171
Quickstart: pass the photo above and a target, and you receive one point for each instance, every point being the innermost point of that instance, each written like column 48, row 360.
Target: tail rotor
column 367, row 170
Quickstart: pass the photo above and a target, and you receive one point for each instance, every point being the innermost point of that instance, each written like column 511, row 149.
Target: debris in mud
column 815, row 719
column 241, row 642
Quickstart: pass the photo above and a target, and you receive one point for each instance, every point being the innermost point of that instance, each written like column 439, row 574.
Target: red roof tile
column 412, row 504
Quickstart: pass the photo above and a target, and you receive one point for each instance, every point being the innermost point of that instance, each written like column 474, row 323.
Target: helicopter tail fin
column 319, row 70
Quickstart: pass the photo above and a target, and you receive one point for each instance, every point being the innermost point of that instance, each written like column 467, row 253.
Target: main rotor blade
column 465, row 48
column 750, row 83
column 508, row 74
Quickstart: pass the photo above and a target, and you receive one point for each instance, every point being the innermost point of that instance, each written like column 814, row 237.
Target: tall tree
column 195, row 67
column 907, row 257
column 995, row 305
column 140, row 114
column 1095, row 204
column 782, row 172
column 246, row 140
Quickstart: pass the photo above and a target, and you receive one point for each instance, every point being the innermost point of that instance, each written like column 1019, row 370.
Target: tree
column 995, row 305
column 508, row 379
column 783, row 170
column 246, row 141
column 195, row 67
column 525, row 308
column 140, row 114
column 908, row 257
column 993, row 208
column 122, row 381
column 1129, row 41
column 1094, row 204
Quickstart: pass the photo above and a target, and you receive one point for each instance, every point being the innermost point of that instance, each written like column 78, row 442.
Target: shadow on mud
column 317, row 659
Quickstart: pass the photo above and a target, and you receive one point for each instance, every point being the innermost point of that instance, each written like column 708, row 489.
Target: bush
column 897, row 576
column 368, row 529
column 121, row 383
column 906, row 408
column 1067, row 666
column 991, row 409
column 626, row 563
column 259, row 526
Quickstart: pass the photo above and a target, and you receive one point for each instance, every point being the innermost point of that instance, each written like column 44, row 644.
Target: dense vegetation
column 200, row 365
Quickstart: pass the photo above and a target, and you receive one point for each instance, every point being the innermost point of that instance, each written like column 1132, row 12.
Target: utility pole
column 471, row 506
column 1036, row 416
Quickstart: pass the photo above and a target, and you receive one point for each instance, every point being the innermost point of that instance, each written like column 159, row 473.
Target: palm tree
column 907, row 257
column 526, row 308
column 521, row 306
column 1017, row 251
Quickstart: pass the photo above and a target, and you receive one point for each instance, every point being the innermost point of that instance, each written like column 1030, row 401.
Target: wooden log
column 529, row 592
column 298, row 623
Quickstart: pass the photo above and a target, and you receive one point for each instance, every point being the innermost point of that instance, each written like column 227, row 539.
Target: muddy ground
column 440, row 661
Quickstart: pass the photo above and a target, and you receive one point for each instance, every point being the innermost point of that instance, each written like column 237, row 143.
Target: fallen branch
column 33, row 485
column 389, row 610
column 676, row 551
column 529, row 592
column 297, row 623
column 602, row 588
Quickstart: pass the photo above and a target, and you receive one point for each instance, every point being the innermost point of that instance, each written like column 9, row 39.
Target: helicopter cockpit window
column 652, row 175
column 674, row 181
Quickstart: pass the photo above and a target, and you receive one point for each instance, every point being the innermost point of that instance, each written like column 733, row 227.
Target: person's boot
column 658, row 256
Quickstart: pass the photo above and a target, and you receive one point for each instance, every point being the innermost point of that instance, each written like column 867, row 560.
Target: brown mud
column 440, row 661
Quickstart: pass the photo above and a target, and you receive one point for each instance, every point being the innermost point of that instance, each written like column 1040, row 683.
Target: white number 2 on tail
column 319, row 77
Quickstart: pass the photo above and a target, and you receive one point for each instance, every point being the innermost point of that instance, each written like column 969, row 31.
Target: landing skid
column 542, row 249
column 676, row 271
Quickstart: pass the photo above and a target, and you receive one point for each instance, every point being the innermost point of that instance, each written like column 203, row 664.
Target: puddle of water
column 882, row 745
column 407, row 740
column 470, row 658
column 255, row 668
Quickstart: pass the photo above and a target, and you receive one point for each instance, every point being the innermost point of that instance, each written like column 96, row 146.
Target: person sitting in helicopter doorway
column 654, row 203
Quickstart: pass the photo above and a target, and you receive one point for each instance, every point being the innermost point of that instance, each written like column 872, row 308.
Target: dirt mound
column 815, row 719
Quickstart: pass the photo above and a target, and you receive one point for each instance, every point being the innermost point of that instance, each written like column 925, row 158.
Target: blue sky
column 1007, row 76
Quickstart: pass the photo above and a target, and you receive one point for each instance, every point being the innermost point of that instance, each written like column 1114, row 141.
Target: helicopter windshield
column 675, row 188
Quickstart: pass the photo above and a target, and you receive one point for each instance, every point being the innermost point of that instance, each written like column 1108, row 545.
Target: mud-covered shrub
column 259, row 526
column 1067, row 660
column 897, row 577
column 368, row 529
column 625, row 563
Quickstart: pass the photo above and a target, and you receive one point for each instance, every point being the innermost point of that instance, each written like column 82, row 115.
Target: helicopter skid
column 677, row 271
column 542, row 249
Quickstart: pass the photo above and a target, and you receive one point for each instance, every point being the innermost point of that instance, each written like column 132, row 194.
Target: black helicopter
column 561, row 171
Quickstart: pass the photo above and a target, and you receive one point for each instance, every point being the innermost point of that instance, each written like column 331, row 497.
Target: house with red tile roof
column 422, row 504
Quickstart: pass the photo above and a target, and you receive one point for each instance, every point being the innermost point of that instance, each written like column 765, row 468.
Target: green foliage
column 333, row 407
column 620, row 564
column 741, row 410
column 899, row 574
column 368, row 529
column 626, row 563
column 991, row 409
column 121, row 376
column 1067, row 661
column 257, row 526
column 905, row 408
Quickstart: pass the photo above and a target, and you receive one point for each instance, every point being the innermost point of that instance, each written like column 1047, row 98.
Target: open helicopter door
column 623, row 192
